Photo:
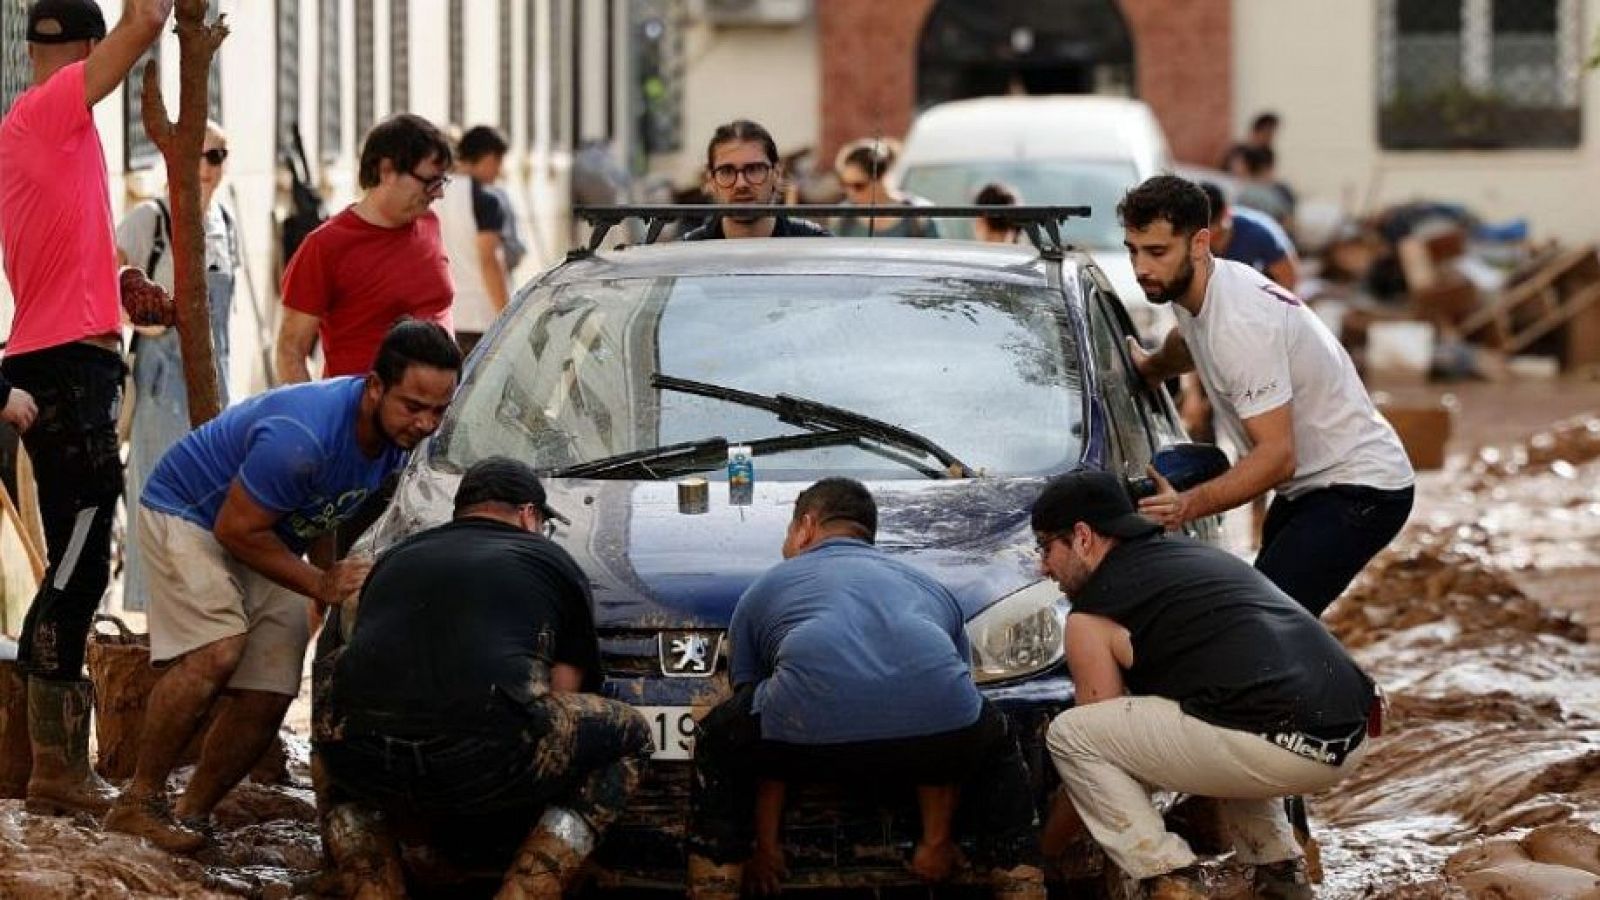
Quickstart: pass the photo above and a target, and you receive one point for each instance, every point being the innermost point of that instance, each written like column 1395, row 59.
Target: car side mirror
column 1183, row 465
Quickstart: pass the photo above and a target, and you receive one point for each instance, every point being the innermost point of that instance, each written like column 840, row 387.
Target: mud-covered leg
column 365, row 856
column 605, row 744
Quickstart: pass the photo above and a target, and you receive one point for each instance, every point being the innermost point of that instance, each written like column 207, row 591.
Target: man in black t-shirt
column 1193, row 674
column 464, row 691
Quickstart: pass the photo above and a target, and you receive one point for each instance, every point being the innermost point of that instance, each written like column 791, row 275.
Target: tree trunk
column 180, row 144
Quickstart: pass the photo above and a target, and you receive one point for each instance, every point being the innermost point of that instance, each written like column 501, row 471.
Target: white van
column 1075, row 150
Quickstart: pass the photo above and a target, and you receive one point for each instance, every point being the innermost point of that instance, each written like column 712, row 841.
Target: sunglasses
column 755, row 174
column 215, row 156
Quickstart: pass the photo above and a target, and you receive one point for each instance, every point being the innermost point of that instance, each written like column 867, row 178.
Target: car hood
column 652, row 566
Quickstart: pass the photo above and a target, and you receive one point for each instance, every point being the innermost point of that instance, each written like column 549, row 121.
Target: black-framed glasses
column 215, row 156
column 755, row 174
column 436, row 183
column 1042, row 542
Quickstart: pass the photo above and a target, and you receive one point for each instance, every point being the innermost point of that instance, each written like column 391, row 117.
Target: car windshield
column 1098, row 185
column 986, row 371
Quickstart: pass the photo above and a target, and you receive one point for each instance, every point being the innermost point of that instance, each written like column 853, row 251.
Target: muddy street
column 1481, row 623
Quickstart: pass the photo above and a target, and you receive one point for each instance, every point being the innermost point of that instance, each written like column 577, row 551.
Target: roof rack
column 1042, row 224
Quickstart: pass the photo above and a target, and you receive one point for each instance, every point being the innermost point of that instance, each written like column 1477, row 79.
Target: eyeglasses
column 429, row 185
column 856, row 185
column 215, row 156
column 755, row 174
column 1042, row 542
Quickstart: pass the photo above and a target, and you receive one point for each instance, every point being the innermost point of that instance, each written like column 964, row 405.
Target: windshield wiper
column 812, row 413
column 689, row 456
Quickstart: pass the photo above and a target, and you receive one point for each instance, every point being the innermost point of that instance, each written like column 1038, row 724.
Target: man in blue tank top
column 228, row 514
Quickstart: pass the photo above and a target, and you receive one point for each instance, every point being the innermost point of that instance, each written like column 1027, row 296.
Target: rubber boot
column 364, row 853
column 709, row 881
column 151, row 818
column 550, row 859
column 1020, row 883
column 62, row 783
column 16, row 754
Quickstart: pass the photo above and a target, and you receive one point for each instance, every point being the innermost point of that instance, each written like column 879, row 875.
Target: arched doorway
column 980, row 48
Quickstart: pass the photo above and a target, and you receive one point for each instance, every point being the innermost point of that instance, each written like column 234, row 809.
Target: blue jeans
column 1313, row 546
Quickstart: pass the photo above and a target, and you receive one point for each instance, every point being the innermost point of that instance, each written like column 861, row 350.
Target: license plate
column 673, row 730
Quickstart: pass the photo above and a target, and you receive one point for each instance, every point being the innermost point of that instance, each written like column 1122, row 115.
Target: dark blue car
column 953, row 378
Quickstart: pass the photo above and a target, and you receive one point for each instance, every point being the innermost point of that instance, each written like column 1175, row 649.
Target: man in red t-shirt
column 380, row 259
column 64, row 356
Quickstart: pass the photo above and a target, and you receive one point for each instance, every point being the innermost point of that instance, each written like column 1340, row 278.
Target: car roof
column 866, row 257
column 1066, row 127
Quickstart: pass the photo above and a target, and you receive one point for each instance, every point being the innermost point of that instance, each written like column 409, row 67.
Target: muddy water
column 1483, row 623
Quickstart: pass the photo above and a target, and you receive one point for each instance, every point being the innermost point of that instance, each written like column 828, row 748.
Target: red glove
column 146, row 302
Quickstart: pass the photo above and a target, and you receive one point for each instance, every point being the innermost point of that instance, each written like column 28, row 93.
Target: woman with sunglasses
column 863, row 167
column 159, row 397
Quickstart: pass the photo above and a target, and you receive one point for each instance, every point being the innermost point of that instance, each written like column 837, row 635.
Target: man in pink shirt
column 64, row 355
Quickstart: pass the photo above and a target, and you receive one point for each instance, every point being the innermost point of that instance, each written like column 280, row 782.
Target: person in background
column 1251, row 237
column 160, row 394
column 1263, row 134
column 996, row 229
column 863, row 168
column 63, row 361
column 472, row 219
column 742, row 169
column 381, row 259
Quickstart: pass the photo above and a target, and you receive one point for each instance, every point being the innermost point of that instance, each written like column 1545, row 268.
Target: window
column 330, row 112
column 1479, row 74
column 400, row 55
column 1132, row 445
column 366, row 74
column 504, row 37
column 138, row 151
column 458, row 70
column 288, row 51
column 15, row 71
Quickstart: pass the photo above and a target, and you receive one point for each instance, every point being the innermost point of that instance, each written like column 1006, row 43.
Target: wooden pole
column 180, row 144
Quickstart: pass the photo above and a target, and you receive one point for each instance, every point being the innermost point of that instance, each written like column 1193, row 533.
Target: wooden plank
column 21, row 567
column 1576, row 304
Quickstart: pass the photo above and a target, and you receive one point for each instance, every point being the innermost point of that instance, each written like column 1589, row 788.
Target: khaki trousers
column 1112, row 754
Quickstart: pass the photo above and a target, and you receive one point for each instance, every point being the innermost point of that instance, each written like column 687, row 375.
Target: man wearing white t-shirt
column 1283, row 388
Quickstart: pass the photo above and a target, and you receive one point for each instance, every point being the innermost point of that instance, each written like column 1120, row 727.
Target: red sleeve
column 306, row 286
column 61, row 109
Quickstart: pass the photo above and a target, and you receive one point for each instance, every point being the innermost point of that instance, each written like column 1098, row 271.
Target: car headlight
column 1020, row 635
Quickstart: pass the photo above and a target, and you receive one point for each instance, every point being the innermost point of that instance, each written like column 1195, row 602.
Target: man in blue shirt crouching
column 849, row 666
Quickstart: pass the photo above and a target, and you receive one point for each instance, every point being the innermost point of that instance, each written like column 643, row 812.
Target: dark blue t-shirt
column 294, row 450
column 1258, row 240
column 845, row 644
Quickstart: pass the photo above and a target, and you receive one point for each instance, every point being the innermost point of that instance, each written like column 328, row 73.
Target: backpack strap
column 163, row 236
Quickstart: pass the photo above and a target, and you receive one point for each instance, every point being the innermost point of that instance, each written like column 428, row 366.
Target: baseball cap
column 1097, row 498
column 501, row 479
column 65, row 21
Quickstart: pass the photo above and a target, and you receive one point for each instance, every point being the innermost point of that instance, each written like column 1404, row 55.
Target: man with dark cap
column 467, row 688
column 1193, row 674
column 63, row 361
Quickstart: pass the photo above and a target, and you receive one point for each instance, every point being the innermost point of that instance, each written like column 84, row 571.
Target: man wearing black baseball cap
column 63, row 363
column 1224, row 688
column 475, row 652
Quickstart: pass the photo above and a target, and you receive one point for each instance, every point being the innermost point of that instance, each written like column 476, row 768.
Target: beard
column 395, row 440
column 1179, row 285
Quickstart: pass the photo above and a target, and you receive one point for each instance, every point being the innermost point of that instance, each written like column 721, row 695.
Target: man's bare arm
column 245, row 529
column 1270, row 462
column 1286, row 272
column 1169, row 361
column 111, row 59
column 1094, row 645
column 296, row 336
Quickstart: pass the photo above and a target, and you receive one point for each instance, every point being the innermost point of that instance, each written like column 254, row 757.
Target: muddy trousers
column 73, row 448
column 730, row 757
column 1313, row 546
column 579, row 752
column 1112, row 754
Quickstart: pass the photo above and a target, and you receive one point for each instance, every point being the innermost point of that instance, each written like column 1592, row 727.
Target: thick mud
column 1482, row 623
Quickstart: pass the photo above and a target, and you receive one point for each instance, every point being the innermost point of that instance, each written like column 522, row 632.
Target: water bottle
column 741, row 476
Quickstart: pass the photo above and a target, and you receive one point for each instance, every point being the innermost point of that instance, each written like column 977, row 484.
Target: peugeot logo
column 689, row 654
